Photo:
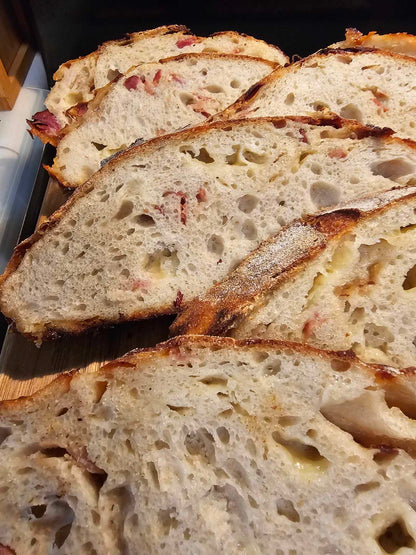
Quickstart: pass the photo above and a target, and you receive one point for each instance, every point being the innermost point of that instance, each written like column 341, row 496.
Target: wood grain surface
column 25, row 368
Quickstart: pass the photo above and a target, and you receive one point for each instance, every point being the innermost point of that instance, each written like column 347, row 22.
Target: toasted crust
column 401, row 43
column 163, row 30
column 81, row 112
column 244, row 102
column 230, row 300
column 136, row 357
column 56, row 330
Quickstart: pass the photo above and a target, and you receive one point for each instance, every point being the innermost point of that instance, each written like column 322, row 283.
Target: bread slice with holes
column 241, row 447
column 400, row 43
column 152, row 100
column 76, row 80
column 373, row 87
column 163, row 221
column 341, row 280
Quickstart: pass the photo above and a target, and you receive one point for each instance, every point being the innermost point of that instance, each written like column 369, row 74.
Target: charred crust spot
column 253, row 90
column 333, row 223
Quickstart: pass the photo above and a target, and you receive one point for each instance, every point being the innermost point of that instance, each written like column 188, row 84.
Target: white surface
column 19, row 158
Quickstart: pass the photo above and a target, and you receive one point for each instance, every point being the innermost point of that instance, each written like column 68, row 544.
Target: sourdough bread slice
column 163, row 221
column 77, row 79
column 373, row 87
column 206, row 445
column 341, row 280
column 152, row 100
column 400, row 43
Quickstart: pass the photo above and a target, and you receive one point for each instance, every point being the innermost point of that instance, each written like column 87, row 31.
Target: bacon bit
column 237, row 50
column 132, row 83
column 183, row 201
column 157, row 77
column 379, row 104
column 185, row 42
column 160, row 209
column 140, row 284
column 178, row 301
column 160, row 132
column 46, row 122
column 201, row 195
column 177, row 354
column 148, row 86
column 200, row 105
column 304, row 138
column 337, row 153
column 6, row 550
column 219, row 261
column 312, row 325
column 274, row 407
column 177, row 78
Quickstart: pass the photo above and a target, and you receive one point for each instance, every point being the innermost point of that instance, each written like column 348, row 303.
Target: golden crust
column 262, row 271
column 135, row 359
column 53, row 331
column 401, row 43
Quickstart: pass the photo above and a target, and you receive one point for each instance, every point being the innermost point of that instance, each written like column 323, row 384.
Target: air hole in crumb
column 392, row 169
column 99, row 390
column 288, row 420
column 223, row 434
column 126, row 208
column 38, row 510
column 395, row 537
column 286, row 508
column 215, row 245
column 159, row 444
column 201, row 444
column 235, row 84
column 214, row 89
column 340, row 365
column 351, row 111
column 214, row 380
column 62, row 411
column 410, row 280
column 145, row 220
column 290, row 98
column 273, row 368
column 368, row 486
column 324, row 194
column 98, row 146
column 249, row 230
column 247, row 203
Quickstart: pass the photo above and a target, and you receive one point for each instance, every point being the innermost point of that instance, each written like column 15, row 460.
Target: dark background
column 62, row 30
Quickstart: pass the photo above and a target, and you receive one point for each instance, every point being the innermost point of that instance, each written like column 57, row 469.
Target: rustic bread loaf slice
column 341, row 280
column 164, row 220
column 206, row 445
column 373, row 87
column 77, row 79
column 152, row 100
column 400, row 43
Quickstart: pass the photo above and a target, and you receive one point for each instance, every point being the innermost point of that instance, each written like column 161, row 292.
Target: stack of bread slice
column 274, row 221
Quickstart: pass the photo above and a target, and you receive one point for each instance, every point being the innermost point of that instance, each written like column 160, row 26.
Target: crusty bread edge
column 52, row 332
column 230, row 300
column 101, row 93
column 137, row 357
column 243, row 103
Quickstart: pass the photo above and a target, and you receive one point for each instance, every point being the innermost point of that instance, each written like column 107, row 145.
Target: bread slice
column 206, row 445
column 341, row 280
column 163, row 221
column 373, row 87
column 77, row 79
column 152, row 100
column 400, row 43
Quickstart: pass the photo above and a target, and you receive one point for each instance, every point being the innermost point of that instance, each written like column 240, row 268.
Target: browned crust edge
column 101, row 93
column 187, row 134
column 244, row 102
column 230, row 300
column 162, row 30
column 171, row 347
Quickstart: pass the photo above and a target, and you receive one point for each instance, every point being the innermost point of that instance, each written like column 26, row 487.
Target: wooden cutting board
column 24, row 368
